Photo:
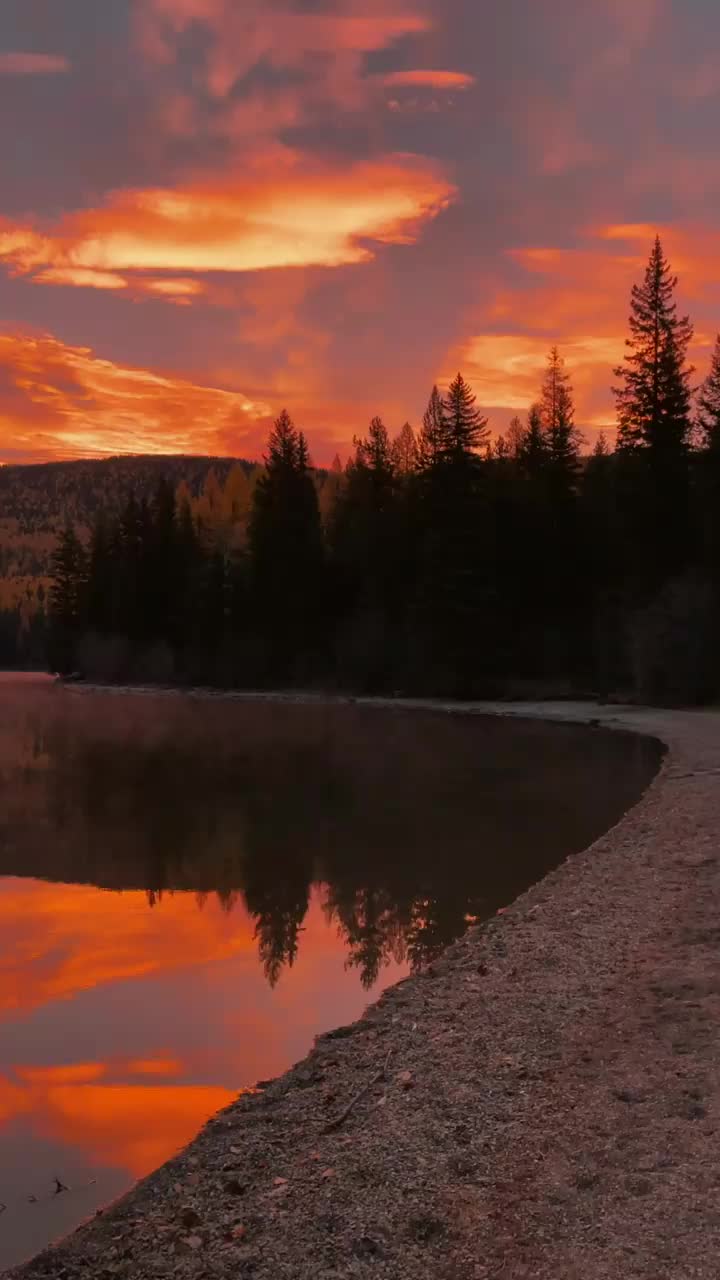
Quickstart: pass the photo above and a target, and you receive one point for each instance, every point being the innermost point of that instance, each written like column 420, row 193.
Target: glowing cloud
column 290, row 214
column 422, row 79
column 32, row 64
column 63, row 402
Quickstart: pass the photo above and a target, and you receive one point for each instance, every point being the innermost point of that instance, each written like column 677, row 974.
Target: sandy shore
column 544, row 1102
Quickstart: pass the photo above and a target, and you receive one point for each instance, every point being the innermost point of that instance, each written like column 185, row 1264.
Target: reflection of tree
column 371, row 922
column 278, row 899
column 391, row 815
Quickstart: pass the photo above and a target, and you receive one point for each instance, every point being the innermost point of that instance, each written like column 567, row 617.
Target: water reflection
column 190, row 891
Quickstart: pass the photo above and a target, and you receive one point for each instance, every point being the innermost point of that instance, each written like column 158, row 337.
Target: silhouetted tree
column 67, row 600
column 532, row 449
column 404, row 451
column 465, row 430
column 432, row 435
column 558, row 421
column 708, row 404
column 654, row 427
column 653, row 398
column 286, row 555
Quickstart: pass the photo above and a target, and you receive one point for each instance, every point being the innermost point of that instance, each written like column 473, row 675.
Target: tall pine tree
column 654, row 394
column 465, row 430
column 432, row 435
column 558, row 420
column 68, row 600
column 286, row 556
column 708, row 405
column 654, row 430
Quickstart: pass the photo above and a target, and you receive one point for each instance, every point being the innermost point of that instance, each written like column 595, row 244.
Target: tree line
column 443, row 562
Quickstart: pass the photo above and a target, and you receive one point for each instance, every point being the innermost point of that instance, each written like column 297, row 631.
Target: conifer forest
column 445, row 560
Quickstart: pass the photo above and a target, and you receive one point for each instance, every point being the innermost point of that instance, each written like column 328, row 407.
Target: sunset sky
column 212, row 209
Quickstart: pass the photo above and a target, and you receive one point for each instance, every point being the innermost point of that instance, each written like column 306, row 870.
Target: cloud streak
column 427, row 79
column 33, row 64
column 58, row 401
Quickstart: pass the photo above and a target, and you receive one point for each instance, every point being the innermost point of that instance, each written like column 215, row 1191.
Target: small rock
column 239, row 1233
column 190, row 1218
column 193, row 1242
column 366, row 1247
column 327, row 1173
column 279, row 1182
column 406, row 1080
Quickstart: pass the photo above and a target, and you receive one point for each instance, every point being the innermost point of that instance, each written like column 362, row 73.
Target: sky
column 211, row 210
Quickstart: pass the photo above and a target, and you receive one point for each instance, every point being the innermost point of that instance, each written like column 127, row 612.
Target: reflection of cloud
column 287, row 214
column 134, row 1127
column 32, row 64
column 67, row 939
column 66, row 402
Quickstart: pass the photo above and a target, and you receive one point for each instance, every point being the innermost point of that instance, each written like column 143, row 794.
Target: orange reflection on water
column 134, row 1127
column 168, row 1054
column 62, row 939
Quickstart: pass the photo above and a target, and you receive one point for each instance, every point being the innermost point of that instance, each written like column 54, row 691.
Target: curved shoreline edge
column 540, row 1103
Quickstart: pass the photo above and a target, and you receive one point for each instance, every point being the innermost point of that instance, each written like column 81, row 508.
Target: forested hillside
column 38, row 502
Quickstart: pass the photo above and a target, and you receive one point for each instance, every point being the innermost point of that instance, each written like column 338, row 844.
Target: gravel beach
column 543, row 1102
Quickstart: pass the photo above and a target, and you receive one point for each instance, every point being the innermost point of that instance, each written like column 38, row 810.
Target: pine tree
column 404, row 451
column 367, row 556
column 68, row 594
column 374, row 452
column 515, row 436
column 286, row 553
column 432, row 435
column 100, row 572
column 455, row 595
column 653, row 398
column 708, row 470
column 654, row 433
column 465, row 430
column 558, row 420
column 533, row 451
column 708, row 404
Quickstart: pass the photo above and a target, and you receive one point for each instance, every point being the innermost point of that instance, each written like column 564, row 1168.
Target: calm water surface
column 190, row 891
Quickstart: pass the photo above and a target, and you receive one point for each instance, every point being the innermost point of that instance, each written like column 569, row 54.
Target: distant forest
column 439, row 562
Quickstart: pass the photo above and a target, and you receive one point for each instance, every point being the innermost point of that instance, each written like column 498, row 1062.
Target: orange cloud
column 63, row 402
column 32, row 64
column 81, row 278
column 71, row 1073
column 422, row 79
column 288, row 213
column 155, row 1067
column 506, row 370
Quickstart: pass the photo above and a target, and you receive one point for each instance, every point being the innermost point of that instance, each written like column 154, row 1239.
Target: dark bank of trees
column 439, row 562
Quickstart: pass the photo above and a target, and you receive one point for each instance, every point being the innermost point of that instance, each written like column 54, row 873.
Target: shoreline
column 540, row 1102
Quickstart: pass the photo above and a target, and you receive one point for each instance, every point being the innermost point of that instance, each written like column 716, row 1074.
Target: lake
column 191, row 890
